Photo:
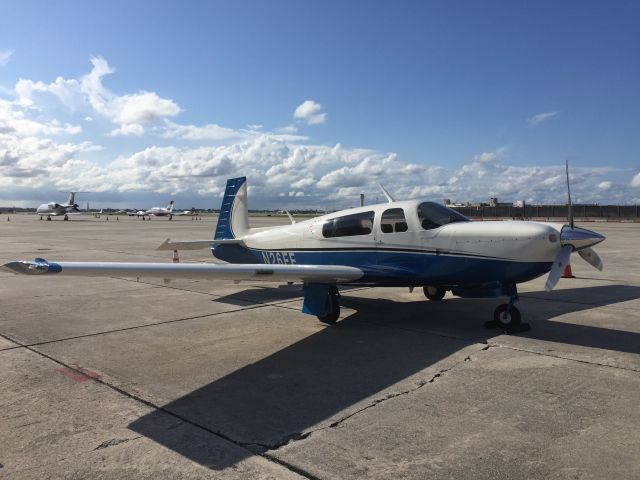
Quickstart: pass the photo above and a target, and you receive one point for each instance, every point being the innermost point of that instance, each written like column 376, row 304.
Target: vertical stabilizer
column 72, row 198
column 233, row 221
column 170, row 206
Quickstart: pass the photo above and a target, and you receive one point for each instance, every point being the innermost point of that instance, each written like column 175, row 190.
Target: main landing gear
column 507, row 317
column 334, row 307
column 435, row 294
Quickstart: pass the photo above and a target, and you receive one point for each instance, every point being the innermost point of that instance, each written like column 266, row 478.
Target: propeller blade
column 591, row 257
column 559, row 264
column 569, row 205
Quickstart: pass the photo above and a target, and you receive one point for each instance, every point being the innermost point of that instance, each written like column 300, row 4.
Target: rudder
column 233, row 221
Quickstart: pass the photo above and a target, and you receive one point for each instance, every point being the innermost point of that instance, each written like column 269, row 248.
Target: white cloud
column 541, row 117
column 310, row 112
column 287, row 129
column 486, row 157
column 309, row 175
column 14, row 121
column 33, row 162
column 635, row 181
column 5, row 56
column 127, row 130
column 192, row 132
column 129, row 111
column 136, row 108
column 254, row 126
column 606, row 185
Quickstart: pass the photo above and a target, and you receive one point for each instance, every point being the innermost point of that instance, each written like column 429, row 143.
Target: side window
column 433, row 215
column 393, row 220
column 349, row 225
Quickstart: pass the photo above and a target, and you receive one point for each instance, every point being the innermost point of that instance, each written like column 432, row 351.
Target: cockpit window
column 393, row 221
column 349, row 225
column 433, row 215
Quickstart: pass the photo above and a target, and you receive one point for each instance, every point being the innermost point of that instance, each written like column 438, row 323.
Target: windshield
column 433, row 215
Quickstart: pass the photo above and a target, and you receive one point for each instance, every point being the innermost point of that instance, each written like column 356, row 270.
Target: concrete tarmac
column 114, row 378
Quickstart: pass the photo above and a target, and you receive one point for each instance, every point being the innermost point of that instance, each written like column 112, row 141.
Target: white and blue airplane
column 400, row 243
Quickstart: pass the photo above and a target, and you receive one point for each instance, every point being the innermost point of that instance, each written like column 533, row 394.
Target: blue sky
column 463, row 100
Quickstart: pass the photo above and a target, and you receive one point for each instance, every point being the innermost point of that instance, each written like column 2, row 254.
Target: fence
column 621, row 212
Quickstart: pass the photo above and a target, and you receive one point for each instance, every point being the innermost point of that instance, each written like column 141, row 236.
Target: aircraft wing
column 236, row 272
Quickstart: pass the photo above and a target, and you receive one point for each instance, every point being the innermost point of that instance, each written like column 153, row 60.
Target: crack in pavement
column 263, row 448
column 115, row 441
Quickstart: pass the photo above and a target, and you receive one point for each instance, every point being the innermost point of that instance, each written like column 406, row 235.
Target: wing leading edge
column 236, row 272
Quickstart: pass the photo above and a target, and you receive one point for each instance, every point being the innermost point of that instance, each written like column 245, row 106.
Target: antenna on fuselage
column 390, row 199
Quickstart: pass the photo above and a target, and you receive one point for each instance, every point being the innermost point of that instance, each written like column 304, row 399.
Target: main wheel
column 505, row 317
column 434, row 294
column 334, row 310
column 66, row 217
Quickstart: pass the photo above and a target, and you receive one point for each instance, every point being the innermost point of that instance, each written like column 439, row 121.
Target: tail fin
column 170, row 206
column 233, row 221
column 72, row 198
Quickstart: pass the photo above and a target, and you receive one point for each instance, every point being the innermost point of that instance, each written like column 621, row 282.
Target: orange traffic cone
column 176, row 259
column 567, row 272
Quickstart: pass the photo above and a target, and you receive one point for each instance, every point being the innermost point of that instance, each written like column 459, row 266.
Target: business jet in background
column 407, row 243
column 54, row 209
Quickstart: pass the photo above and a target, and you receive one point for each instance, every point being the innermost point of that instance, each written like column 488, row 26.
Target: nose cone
column 579, row 238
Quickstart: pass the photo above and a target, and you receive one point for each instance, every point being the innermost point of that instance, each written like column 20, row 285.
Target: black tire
column 334, row 313
column 506, row 318
column 435, row 294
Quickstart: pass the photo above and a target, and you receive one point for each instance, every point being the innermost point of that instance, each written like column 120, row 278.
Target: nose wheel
column 507, row 317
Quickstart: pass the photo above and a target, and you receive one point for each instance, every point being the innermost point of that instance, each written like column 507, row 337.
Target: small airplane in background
column 155, row 212
column 161, row 211
column 401, row 244
column 183, row 213
column 53, row 209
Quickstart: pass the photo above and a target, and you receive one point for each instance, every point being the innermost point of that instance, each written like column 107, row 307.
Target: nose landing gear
column 507, row 317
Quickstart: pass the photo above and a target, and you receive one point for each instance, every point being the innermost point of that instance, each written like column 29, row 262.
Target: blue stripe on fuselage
column 400, row 267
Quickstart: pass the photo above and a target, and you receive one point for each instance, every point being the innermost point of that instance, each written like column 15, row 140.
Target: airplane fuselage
column 53, row 209
column 158, row 212
column 394, row 244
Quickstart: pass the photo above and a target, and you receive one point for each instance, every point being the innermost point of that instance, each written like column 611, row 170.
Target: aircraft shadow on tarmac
column 279, row 398
column 267, row 294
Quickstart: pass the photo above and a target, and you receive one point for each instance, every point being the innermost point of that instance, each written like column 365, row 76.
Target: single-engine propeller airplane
column 400, row 243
